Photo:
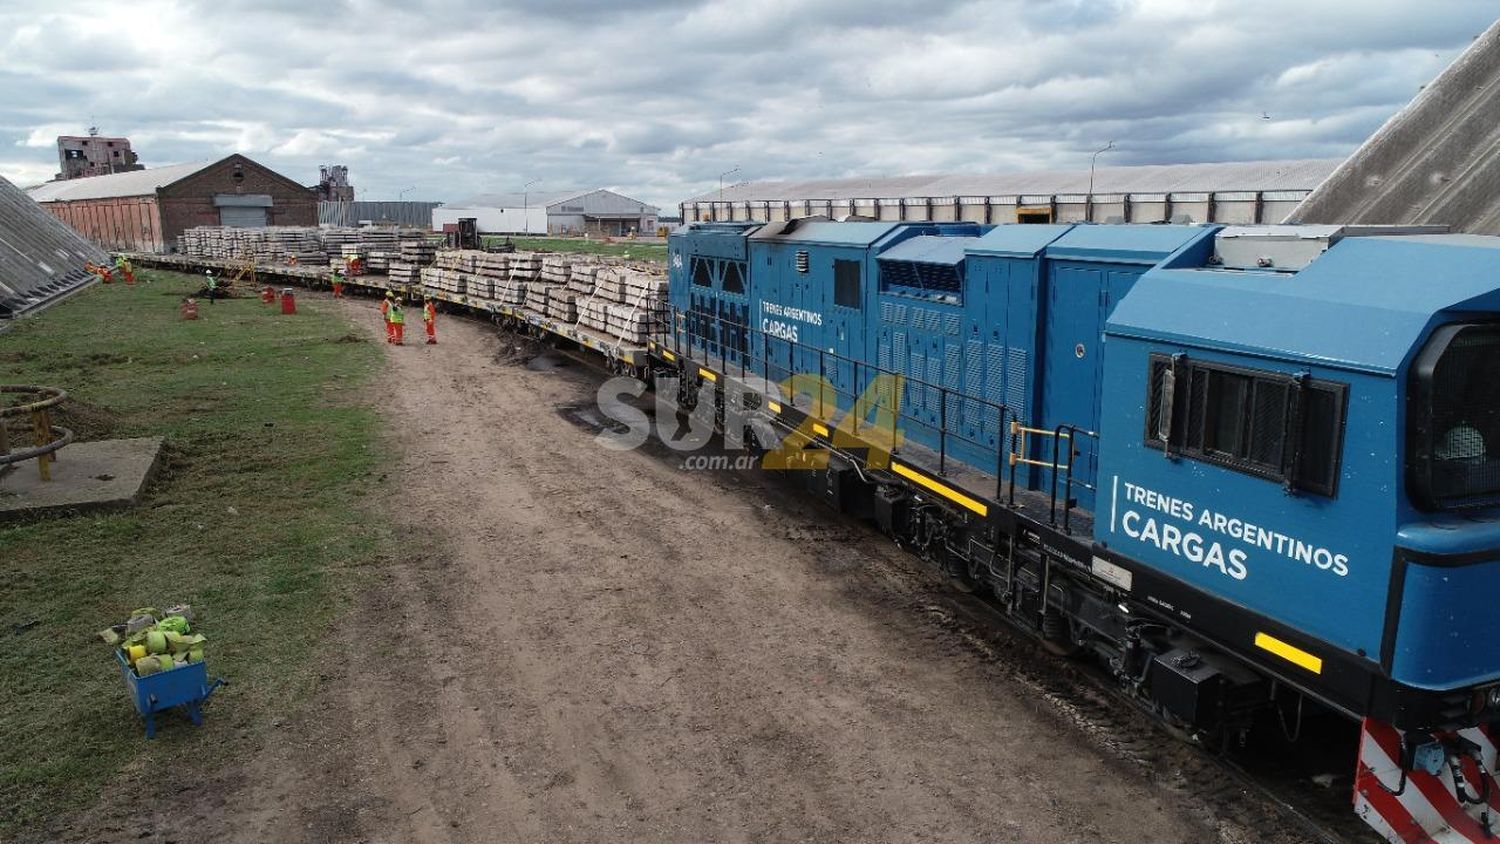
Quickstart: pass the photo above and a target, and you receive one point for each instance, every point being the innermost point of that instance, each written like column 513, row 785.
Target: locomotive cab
column 1305, row 427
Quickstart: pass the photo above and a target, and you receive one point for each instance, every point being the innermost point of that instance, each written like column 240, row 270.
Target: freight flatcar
column 1250, row 470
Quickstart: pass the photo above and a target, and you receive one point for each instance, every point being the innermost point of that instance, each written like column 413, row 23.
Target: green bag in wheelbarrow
column 185, row 685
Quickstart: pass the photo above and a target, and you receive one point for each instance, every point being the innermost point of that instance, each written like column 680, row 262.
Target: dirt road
column 596, row 646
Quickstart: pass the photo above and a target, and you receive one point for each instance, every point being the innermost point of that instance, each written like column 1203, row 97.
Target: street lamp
column 401, row 197
column 526, row 205
column 1093, row 161
column 721, row 186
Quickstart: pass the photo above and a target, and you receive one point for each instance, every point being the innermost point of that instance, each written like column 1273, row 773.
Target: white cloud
column 658, row 98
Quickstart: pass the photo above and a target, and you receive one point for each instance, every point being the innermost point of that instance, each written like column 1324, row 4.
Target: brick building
column 81, row 156
column 145, row 211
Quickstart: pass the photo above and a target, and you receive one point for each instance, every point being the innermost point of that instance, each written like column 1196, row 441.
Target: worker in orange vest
column 398, row 320
column 385, row 316
column 429, row 316
column 337, row 281
column 99, row 270
column 123, row 265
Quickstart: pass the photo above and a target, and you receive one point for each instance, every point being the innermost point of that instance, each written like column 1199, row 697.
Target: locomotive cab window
column 846, row 283
column 1453, row 419
column 1285, row 428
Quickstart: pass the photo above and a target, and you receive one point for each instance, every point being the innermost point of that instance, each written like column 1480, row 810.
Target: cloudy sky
column 657, row 99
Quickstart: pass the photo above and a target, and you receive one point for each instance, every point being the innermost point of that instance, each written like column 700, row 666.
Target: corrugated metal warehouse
column 146, row 210
column 601, row 212
column 41, row 259
column 1238, row 192
column 378, row 212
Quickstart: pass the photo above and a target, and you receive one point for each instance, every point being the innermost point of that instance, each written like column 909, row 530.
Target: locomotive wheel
column 1057, row 636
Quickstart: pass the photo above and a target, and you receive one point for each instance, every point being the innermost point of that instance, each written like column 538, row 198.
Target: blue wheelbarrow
column 186, row 686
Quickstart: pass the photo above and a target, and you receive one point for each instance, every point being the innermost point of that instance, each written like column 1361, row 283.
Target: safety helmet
column 390, row 294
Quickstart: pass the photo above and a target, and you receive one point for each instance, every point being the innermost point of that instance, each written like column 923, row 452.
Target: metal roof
column 1019, row 241
column 1433, row 162
column 931, row 249
column 547, row 199
column 1297, row 175
column 1126, row 243
column 135, row 183
column 821, row 231
column 535, row 199
column 41, row 257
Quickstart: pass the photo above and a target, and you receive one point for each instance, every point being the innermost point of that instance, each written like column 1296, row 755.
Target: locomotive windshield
column 1455, row 419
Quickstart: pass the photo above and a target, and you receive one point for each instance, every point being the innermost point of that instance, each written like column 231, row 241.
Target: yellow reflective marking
column 775, row 406
column 709, row 375
column 1290, row 653
column 820, row 429
column 668, row 355
column 944, row 490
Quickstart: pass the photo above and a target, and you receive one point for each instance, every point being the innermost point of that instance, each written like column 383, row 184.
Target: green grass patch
column 257, row 520
column 578, row 246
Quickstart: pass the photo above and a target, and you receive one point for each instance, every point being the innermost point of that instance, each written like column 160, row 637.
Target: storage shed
column 146, row 210
column 597, row 212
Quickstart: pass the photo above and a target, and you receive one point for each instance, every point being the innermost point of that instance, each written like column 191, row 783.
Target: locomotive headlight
column 1492, row 697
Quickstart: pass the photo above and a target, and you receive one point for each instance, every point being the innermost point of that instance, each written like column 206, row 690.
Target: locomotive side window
column 846, row 283
column 701, row 275
column 1286, row 428
column 1453, row 457
column 734, row 279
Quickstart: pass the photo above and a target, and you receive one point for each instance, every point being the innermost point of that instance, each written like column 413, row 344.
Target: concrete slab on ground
column 87, row 477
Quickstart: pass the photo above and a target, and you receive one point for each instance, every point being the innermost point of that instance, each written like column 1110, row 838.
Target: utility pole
column 526, row 205
column 721, row 187
column 1089, row 199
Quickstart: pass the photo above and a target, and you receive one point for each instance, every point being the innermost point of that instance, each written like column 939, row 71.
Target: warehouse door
column 242, row 216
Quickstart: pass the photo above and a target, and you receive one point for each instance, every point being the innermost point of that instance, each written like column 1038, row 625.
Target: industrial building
column 82, row 156
column 333, row 184
column 1237, row 192
column 596, row 212
column 146, row 210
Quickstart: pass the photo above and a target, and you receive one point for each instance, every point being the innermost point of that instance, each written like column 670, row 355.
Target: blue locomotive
column 1246, row 467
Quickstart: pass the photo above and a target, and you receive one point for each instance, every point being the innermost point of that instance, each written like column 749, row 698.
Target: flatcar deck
column 629, row 354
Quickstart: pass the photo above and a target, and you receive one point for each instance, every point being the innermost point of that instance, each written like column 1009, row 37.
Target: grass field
column 256, row 521
column 618, row 249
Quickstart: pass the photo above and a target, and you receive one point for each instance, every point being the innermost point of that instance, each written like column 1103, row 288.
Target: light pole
column 401, row 197
column 721, row 187
column 526, row 205
column 1092, row 162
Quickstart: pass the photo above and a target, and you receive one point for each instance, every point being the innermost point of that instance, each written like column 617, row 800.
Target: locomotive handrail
column 1072, row 435
column 734, row 339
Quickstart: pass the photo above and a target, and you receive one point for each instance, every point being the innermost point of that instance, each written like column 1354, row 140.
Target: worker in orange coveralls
column 99, row 270
column 429, row 316
column 398, row 320
column 385, row 316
